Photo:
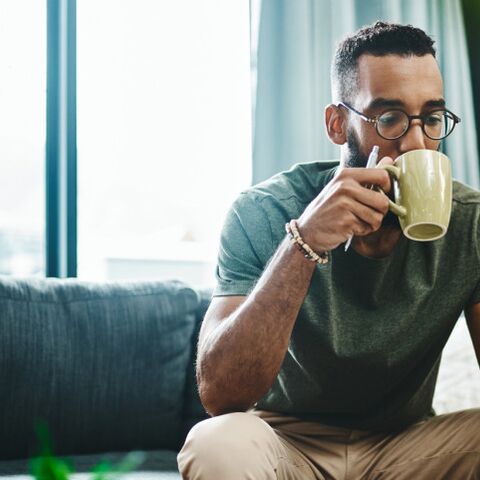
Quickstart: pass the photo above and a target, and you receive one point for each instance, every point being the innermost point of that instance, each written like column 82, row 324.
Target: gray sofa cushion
column 103, row 363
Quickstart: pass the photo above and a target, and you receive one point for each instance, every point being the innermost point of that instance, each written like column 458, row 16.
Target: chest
column 379, row 312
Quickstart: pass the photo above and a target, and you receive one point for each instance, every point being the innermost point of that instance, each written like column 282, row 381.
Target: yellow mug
column 422, row 186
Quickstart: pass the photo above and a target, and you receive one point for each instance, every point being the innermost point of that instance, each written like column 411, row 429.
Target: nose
column 414, row 139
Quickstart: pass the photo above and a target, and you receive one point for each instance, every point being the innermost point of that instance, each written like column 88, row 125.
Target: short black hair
column 378, row 39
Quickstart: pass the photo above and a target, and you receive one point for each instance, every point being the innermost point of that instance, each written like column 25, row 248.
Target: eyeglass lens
column 394, row 123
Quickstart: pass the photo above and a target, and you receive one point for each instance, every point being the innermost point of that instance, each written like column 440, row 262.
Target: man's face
column 413, row 84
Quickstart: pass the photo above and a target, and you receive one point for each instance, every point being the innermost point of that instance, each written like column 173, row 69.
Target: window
column 22, row 137
column 164, row 134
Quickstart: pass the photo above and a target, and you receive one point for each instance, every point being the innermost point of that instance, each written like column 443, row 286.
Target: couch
column 108, row 366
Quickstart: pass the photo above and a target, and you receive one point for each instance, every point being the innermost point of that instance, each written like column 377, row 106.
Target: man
column 315, row 370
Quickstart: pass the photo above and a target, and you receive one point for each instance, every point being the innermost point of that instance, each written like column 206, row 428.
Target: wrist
column 310, row 235
column 319, row 257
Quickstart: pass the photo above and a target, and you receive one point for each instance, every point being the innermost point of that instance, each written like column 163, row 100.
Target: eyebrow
column 435, row 103
column 380, row 102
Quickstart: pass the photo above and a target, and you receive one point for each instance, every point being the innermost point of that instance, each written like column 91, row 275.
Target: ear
column 336, row 124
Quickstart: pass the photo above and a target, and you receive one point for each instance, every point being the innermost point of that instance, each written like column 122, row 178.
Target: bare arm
column 472, row 315
column 243, row 340
column 241, row 356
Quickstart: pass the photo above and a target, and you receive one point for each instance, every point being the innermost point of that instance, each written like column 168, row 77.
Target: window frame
column 61, row 141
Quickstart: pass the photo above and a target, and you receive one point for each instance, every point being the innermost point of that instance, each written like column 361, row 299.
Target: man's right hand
column 346, row 207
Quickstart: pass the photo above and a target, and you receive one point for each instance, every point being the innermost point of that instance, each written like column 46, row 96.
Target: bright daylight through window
column 22, row 137
column 164, row 134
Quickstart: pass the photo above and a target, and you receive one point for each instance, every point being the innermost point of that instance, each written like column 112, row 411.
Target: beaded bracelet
column 295, row 237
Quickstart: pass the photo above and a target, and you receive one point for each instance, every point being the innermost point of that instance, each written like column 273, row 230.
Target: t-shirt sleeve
column 245, row 247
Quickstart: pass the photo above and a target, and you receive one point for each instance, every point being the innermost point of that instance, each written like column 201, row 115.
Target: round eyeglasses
column 393, row 124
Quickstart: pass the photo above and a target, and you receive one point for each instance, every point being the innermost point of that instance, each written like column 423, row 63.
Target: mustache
column 356, row 158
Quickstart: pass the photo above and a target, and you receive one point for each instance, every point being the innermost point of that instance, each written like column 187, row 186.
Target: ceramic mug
column 422, row 186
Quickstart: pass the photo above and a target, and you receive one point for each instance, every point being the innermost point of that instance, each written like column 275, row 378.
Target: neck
column 378, row 244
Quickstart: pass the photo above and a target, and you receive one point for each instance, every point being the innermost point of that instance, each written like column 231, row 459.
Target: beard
column 357, row 159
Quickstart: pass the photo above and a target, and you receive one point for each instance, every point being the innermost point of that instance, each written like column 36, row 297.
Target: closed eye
column 433, row 119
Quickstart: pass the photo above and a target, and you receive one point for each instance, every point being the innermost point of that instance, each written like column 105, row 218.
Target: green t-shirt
column 365, row 349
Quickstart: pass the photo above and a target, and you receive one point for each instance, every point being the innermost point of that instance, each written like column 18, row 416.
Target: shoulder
column 465, row 207
column 464, row 195
column 302, row 182
column 265, row 207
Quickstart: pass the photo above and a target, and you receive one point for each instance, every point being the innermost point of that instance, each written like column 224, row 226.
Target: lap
column 268, row 445
column 446, row 446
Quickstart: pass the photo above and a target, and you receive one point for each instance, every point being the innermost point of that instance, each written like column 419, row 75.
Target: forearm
column 239, row 360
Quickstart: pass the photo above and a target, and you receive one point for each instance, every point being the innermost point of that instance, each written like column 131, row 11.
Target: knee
column 220, row 444
column 222, row 433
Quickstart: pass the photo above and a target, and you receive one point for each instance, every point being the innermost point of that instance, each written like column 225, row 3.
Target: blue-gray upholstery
column 109, row 366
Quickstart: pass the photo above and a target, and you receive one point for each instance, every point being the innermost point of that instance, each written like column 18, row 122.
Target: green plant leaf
column 46, row 466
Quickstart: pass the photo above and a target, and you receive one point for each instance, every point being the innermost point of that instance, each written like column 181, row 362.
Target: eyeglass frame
column 374, row 120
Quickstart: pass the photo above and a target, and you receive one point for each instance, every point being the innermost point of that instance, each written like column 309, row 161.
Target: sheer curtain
column 293, row 47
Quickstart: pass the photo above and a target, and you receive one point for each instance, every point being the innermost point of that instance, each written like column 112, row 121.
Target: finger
column 375, row 198
column 370, row 198
column 357, row 227
column 386, row 161
column 367, row 176
column 361, row 229
column 367, row 216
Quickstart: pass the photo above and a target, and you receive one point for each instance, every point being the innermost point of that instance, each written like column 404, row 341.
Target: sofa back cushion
column 103, row 363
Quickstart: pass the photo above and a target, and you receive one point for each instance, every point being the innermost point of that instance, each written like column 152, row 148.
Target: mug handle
column 392, row 206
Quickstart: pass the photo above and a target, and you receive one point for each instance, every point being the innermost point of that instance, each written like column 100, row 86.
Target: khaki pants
column 260, row 445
